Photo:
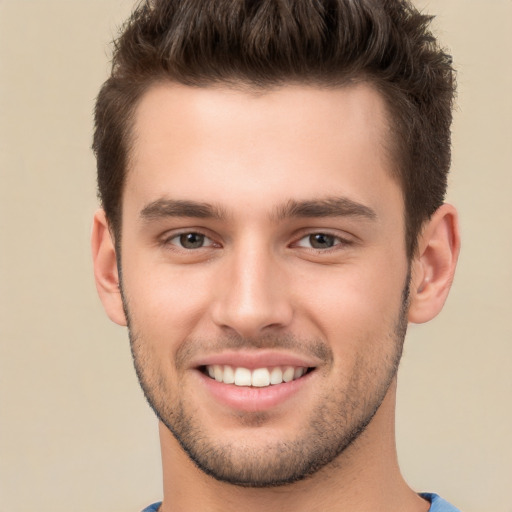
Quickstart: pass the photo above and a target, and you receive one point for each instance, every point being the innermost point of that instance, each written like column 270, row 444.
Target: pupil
column 321, row 241
column 192, row 240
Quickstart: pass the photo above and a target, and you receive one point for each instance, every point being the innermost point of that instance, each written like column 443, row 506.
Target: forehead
column 293, row 142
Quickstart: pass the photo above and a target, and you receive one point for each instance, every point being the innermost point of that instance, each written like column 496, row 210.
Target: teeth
column 242, row 377
column 218, row 373
column 288, row 374
column 259, row 378
column 298, row 373
column 229, row 375
column 276, row 375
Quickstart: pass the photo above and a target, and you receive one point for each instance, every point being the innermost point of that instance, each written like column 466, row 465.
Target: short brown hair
column 267, row 43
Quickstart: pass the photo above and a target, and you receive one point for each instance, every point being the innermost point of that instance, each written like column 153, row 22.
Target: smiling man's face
column 264, row 272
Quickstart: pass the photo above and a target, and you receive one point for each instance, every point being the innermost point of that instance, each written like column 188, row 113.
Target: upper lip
column 255, row 359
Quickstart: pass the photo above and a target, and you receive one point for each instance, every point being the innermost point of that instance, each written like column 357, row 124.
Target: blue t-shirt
column 152, row 508
column 437, row 504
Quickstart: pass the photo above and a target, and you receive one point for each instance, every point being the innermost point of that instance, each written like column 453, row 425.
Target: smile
column 259, row 377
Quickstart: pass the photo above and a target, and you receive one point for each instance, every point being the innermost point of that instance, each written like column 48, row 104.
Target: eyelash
column 168, row 240
column 338, row 241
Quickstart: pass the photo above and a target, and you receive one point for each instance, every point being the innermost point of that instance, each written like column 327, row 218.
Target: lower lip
column 253, row 399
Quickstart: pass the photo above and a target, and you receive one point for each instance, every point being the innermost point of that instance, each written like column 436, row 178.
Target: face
column 264, row 273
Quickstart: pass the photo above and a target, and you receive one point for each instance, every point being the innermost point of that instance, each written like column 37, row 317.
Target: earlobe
column 433, row 268
column 105, row 269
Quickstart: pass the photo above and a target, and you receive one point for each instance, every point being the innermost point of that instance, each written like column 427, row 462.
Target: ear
column 433, row 267
column 105, row 269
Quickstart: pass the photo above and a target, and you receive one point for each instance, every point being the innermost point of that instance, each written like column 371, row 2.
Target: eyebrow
column 162, row 208
column 328, row 207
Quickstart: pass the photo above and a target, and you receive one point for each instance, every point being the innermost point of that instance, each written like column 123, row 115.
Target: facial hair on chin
column 336, row 422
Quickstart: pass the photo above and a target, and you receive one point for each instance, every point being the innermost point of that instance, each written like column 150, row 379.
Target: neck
column 364, row 477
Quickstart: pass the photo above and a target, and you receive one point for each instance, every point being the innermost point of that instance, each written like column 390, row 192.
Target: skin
column 261, row 286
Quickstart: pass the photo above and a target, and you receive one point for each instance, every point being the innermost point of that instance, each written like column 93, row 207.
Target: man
column 272, row 176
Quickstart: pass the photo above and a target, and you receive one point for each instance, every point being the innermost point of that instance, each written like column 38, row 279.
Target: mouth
column 257, row 377
column 255, row 381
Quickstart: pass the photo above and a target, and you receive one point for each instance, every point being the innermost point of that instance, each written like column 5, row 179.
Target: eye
column 320, row 241
column 190, row 241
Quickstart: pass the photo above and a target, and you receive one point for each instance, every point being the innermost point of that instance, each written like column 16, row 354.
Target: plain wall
column 75, row 431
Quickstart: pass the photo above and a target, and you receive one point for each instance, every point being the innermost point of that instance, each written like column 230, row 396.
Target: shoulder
column 437, row 504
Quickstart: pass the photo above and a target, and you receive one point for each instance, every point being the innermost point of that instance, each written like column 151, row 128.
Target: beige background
column 75, row 432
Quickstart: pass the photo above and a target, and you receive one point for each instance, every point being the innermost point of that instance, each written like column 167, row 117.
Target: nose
column 252, row 296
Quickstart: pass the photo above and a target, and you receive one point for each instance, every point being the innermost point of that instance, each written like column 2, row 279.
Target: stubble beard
column 334, row 425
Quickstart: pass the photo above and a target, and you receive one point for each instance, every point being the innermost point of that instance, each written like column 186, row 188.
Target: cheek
column 358, row 309
column 164, row 302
